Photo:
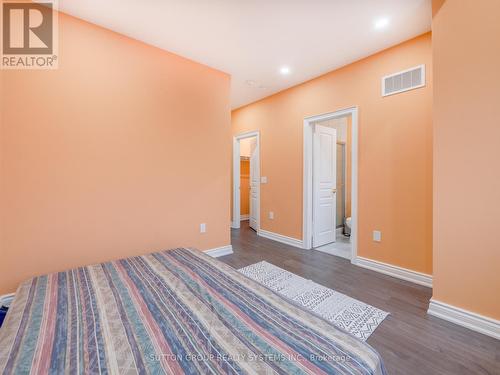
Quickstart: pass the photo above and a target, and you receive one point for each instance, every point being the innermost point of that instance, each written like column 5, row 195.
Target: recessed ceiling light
column 251, row 83
column 285, row 70
column 381, row 23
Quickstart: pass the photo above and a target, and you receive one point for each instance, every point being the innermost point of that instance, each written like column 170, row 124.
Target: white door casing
column 254, row 185
column 324, row 185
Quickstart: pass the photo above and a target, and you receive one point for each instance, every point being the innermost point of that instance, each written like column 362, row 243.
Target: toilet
column 347, row 227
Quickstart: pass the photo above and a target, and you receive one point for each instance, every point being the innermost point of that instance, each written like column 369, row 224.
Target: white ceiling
column 253, row 39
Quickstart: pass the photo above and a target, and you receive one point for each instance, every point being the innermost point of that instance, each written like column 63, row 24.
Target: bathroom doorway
column 330, row 165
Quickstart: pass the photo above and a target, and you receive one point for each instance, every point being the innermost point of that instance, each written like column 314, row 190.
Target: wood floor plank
column 409, row 340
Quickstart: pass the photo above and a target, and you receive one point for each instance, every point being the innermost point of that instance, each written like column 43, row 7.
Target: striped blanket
column 174, row 312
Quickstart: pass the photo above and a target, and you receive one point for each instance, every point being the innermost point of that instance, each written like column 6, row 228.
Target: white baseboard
column 244, row 217
column 280, row 238
column 220, row 251
column 395, row 271
column 464, row 318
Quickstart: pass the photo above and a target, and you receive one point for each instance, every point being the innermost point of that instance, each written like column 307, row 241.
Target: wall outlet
column 203, row 228
column 263, row 180
column 271, row 215
column 377, row 236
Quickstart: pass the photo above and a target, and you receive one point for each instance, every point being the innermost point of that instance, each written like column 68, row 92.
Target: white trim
column 244, row 217
column 468, row 319
column 395, row 271
column 236, row 177
column 220, row 251
column 308, row 183
column 6, row 299
column 280, row 238
column 422, row 66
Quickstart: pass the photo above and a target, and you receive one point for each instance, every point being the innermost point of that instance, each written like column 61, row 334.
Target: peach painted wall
column 466, row 37
column 246, row 146
column 100, row 159
column 395, row 153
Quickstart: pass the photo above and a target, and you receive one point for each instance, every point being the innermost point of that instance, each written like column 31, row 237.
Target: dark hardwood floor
column 409, row 340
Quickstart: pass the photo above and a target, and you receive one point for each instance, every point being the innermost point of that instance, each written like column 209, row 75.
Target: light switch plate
column 377, row 236
column 203, row 228
column 263, row 180
column 271, row 215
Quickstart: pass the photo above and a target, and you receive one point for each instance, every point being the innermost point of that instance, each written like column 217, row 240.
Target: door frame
column 307, row 220
column 235, row 223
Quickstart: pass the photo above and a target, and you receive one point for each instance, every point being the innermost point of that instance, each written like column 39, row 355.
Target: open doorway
column 246, row 180
column 330, row 191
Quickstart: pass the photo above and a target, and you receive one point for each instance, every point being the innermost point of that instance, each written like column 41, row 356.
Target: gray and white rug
column 355, row 317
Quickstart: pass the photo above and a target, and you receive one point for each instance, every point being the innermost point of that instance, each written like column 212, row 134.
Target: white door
column 254, row 185
column 324, row 185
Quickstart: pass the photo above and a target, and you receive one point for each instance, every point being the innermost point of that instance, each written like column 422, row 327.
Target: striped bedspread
column 174, row 312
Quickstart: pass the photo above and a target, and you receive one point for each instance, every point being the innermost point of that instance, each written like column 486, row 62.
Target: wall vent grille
column 403, row 81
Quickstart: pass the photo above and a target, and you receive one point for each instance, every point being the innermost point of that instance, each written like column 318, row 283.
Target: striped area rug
column 355, row 317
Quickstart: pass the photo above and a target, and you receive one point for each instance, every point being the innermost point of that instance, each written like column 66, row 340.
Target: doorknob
column 334, row 190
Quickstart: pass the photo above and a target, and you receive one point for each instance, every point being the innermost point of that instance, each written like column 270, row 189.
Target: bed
column 176, row 311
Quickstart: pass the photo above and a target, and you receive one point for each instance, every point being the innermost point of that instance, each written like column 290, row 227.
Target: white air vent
column 403, row 81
